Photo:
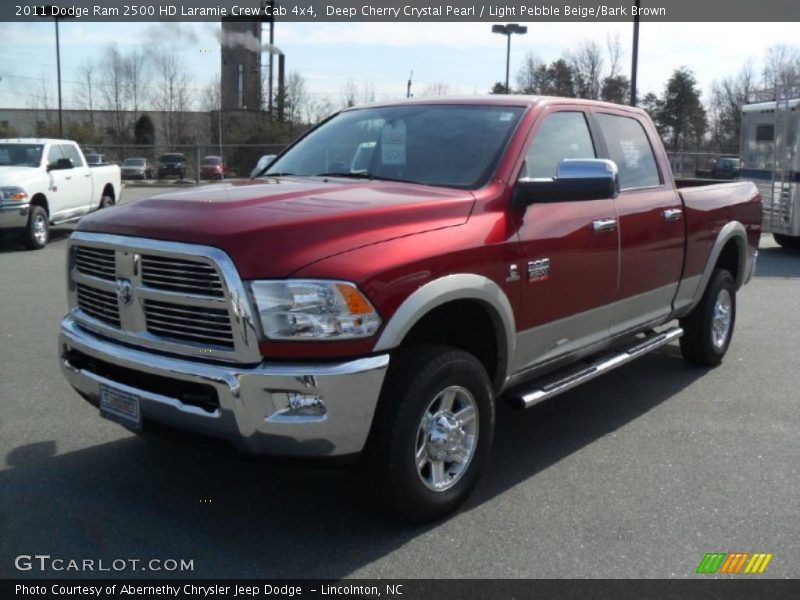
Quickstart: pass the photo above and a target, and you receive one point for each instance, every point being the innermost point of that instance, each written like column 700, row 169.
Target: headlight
column 303, row 309
column 13, row 193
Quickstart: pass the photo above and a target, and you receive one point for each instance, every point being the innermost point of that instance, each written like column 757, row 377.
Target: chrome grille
column 99, row 304
column 97, row 262
column 189, row 324
column 183, row 276
column 172, row 297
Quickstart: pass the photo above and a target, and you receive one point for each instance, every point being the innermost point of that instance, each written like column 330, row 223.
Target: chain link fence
column 240, row 158
column 693, row 164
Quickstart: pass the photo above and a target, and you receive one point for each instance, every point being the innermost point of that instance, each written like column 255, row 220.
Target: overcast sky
column 465, row 56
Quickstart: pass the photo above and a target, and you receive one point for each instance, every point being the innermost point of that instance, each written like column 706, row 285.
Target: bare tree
column 113, row 92
column 44, row 116
column 532, row 75
column 296, row 97
column 781, row 67
column 136, row 78
column 614, row 54
column 436, row 88
column 368, row 92
column 587, row 69
column 320, row 108
column 85, row 96
column 211, row 96
column 171, row 95
column 725, row 104
column 349, row 93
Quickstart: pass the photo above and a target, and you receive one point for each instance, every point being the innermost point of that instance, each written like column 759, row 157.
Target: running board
column 527, row 398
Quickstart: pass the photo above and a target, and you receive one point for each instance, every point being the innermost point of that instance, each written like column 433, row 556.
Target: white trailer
column 770, row 150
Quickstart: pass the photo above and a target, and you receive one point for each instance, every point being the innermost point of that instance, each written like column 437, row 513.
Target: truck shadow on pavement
column 149, row 498
column 780, row 263
column 11, row 243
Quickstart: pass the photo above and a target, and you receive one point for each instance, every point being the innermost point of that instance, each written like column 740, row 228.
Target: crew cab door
column 569, row 250
column 70, row 189
column 651, row 222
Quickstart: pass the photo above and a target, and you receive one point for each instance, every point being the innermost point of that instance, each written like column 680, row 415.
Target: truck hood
column 18, row 175
column 272, row 228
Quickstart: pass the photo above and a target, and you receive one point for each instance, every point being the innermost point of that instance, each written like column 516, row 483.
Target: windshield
column 171, row 158
column 445, row 145
column 210, row 160
column 133, row 162
column 20, row 155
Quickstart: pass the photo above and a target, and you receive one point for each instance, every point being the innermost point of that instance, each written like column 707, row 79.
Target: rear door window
column 629, row 147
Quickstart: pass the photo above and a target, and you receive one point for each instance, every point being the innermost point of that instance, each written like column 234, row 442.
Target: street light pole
column 635, row 54
column 58, row 71
column 508, row 59
column 51, row 11
column 508, row 31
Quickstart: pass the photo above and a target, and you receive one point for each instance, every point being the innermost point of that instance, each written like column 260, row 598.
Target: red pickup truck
column 396, row 271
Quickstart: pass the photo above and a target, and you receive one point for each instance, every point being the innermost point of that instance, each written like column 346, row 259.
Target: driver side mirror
column 61, row 164
column 575, row 180
column 262, row 164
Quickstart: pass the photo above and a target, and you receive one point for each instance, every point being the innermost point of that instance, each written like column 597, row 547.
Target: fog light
column 295, row 404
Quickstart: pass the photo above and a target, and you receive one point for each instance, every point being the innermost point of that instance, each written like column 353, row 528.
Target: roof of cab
column 33, row 140
column 499, row 100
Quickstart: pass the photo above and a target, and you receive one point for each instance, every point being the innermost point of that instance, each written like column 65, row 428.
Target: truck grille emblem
column 124, row 292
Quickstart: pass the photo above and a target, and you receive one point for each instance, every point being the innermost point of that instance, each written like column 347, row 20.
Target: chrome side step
column 542, row 391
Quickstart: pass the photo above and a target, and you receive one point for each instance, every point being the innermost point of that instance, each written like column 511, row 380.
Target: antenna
column 408, row 87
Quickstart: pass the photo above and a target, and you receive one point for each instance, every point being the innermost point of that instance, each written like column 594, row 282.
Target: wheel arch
column 458, row 290
column 39, row 199
column 108, row 190
column 729, row 251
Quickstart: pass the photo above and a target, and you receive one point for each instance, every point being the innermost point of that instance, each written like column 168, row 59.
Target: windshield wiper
column 277, row 174
column 369, row 176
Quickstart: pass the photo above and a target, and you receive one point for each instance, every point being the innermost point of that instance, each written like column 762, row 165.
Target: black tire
column 703, row 342
column 787, row 241
column 37, row 231
column 105, row 202
column 417, row 376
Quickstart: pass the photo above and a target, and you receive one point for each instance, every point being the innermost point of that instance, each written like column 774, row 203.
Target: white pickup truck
column 47, row 182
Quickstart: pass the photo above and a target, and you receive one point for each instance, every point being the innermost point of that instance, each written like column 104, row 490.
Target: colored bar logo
column 734, row 562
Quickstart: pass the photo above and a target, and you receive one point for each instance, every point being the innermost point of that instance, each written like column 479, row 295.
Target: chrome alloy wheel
column 40, row 229
column 447, row 438
column 721, row 319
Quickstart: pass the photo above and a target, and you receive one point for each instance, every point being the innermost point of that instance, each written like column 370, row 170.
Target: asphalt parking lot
column 637, row 474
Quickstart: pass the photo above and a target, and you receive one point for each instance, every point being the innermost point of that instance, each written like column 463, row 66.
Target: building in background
column 240, row 68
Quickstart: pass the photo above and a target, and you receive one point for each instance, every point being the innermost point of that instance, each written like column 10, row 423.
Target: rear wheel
column 708, row 329
column 787, row 241
column 432, row 433
column 37, row 232
column 105, row 202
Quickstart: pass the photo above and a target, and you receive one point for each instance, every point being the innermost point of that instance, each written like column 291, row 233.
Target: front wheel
column 433, row 431
column 37, row 232
column 787, row 241
column 708, row 329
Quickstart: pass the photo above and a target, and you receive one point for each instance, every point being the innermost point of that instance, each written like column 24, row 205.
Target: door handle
column 67, row 176
column 672, row 214
column 604, row 225
column 87, row 174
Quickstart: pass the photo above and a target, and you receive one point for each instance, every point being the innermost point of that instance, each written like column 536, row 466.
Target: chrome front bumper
column 253, row 413
column 13, row 216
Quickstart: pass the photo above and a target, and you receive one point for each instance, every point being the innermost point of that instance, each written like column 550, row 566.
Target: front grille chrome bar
column 172, row 297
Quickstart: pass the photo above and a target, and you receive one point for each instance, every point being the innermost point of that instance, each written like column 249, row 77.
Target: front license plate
column 120, row 407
